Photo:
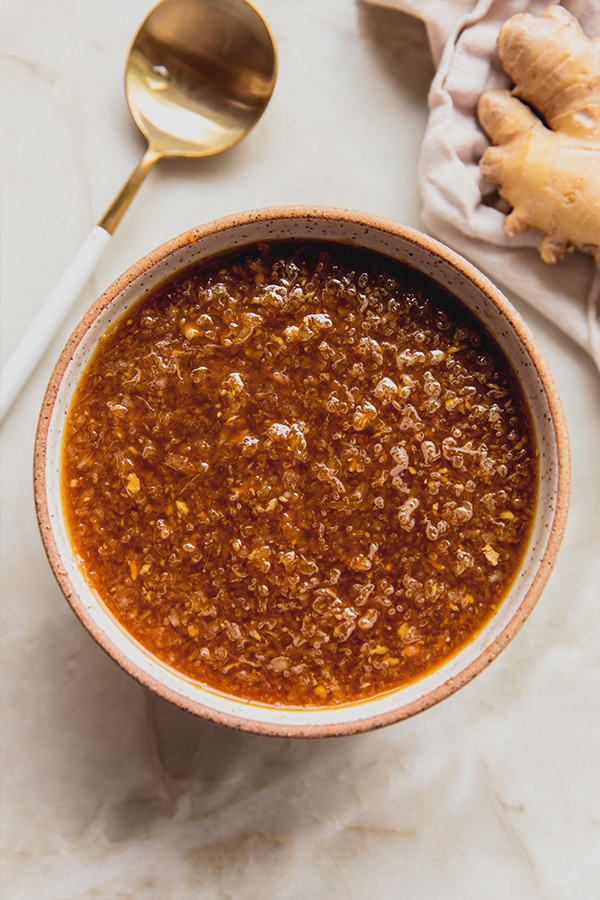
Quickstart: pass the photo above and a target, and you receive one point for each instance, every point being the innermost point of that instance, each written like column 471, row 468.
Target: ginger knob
column 546, row 162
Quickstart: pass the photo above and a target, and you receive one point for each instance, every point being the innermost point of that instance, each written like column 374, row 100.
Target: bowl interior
column 490, row 307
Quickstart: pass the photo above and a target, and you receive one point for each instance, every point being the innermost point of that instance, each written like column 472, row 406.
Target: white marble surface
column 109, row 793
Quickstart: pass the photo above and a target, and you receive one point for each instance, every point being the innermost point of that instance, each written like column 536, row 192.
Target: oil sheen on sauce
column 300, row 474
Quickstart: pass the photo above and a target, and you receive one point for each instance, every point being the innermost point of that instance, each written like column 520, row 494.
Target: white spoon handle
column 44, row 327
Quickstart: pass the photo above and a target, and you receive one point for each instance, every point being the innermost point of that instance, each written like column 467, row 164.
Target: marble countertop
column 110, row 793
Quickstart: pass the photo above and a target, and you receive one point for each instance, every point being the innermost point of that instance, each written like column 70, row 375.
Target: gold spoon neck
column 120, row 204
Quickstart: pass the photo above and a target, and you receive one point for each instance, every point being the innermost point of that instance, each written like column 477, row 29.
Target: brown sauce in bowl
column 301, row 474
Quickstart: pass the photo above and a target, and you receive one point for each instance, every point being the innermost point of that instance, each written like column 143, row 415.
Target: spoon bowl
column 199, row 75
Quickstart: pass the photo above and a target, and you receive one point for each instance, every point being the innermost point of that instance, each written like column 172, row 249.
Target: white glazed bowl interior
column 449, row 270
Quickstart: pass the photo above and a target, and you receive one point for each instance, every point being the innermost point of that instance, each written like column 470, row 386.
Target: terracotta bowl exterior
column 427, row 256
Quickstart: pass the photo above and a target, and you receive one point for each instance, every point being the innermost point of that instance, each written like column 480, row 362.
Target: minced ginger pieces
column 548, row 171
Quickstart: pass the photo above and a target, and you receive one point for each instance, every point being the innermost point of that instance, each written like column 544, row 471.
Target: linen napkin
column 462, row 36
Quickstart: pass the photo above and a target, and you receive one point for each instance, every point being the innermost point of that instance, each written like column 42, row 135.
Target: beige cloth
column 462, row 36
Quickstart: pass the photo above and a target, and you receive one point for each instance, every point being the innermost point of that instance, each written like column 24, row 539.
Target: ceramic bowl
column 425, row 255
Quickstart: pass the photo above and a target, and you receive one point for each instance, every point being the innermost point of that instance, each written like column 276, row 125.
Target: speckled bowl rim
column 468, row 272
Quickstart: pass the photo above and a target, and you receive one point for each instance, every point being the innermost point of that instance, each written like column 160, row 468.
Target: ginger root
column 548, row 171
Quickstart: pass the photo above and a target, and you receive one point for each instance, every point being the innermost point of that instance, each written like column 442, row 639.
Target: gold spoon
column 200, row 74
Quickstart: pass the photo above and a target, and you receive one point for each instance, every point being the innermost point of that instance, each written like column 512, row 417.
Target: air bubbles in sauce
column 300, row 474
